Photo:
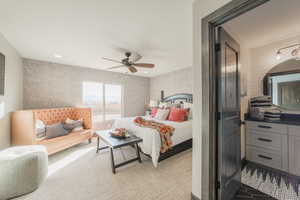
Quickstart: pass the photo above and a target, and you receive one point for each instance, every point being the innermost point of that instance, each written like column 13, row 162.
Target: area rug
column 272, row 182
column 248, row 193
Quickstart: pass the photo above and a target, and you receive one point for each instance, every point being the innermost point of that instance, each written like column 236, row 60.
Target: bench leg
column 138, row 153
column 98, row 141
column 112, row 161
column 98, row 146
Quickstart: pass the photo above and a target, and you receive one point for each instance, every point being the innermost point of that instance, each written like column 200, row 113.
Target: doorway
column 214, row 113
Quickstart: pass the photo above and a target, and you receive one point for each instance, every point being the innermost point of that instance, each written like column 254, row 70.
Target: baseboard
column 194, row 197
column 244, row 163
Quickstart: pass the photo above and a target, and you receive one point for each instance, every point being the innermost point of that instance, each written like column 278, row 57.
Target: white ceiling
column 84, row 31
column 273, row 21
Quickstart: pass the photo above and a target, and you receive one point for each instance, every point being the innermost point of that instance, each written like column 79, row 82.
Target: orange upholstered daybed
column 24, row 131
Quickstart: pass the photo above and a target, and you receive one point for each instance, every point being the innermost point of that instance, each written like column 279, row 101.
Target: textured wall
column 180, row 81
column 12, row 99
column 264, row 59
column 49, row 85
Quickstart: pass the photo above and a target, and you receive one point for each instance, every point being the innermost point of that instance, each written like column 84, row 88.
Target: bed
column 182, row 136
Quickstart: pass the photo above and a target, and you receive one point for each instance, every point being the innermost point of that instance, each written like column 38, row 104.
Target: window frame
column 103, row 84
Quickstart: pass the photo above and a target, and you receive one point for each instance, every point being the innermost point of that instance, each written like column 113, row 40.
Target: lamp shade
column 153, row 103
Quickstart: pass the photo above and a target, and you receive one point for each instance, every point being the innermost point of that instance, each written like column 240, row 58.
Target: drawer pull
column 264, row 140
column 265, row 157
column 262, row 126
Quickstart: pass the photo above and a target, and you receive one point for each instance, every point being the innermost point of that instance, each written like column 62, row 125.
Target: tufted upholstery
column 56, row 115
column 24, row 132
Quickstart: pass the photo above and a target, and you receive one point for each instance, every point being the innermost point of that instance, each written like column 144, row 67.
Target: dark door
column 229, row 141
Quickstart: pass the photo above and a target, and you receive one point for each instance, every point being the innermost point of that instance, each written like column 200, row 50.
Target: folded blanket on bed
column 165, row 131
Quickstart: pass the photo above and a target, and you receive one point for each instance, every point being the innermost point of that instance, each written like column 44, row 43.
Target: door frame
column 209, row 123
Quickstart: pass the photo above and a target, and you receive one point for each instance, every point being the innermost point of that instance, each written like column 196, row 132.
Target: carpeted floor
column 80, row 174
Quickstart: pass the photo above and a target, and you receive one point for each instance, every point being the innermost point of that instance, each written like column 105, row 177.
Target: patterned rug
column 248, row 193
column 272, row 182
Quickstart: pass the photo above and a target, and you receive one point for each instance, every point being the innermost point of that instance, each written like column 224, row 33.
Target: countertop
column 287, row 121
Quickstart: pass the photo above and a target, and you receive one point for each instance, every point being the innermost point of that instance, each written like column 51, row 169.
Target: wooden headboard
column 184, row 97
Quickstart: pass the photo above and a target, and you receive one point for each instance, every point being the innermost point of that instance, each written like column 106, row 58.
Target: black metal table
column 114, row 143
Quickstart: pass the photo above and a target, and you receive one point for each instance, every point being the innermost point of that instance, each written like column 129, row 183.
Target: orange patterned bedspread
column 165, row 131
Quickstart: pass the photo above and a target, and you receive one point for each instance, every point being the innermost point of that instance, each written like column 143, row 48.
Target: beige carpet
column 80, row 174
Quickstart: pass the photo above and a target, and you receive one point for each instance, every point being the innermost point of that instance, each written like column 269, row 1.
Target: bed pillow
column 189, row 106
column 164, row 105
column 55, row 130
column 153, row 112
column 178, row 114
column 162, row 114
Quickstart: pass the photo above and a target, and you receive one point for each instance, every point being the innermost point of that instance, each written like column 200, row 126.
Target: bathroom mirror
column 2, row 74
column 282, row 83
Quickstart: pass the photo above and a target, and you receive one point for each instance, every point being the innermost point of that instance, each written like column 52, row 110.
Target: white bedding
column 151, row 139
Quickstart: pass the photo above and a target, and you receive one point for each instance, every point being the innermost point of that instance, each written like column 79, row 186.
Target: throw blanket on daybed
column 165, row 131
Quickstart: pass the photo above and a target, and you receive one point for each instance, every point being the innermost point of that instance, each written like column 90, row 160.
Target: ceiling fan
column 130, row 64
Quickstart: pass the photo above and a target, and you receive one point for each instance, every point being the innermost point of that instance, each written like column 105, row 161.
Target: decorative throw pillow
column 71, row 121
column 39, row 124
column 153, row 112
column 55, row 130
column 70, row 124
column 164, row 105
column 70, row 127
column 162, row 114
column 178, row 114
column 41, row 133
column 189, row 106
column 175, row 105
column 79, row 128
column 40, row 129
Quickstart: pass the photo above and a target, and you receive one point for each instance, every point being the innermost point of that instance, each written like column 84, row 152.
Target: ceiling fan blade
column 132, row 69
column 108, row 59
column 146, row 65
column 116, row 67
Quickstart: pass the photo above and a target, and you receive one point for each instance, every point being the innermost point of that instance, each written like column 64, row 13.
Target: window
column 113, row 101
column 104, row 99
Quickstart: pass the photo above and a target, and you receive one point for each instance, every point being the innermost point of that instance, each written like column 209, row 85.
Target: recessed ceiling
column 82, row 32
column 274, row 21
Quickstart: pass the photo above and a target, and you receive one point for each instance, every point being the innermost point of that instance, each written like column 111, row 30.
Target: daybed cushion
column 55, row 130
column 55, row 144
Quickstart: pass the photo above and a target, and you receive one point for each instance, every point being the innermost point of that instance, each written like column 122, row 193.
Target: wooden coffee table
column 114, row 143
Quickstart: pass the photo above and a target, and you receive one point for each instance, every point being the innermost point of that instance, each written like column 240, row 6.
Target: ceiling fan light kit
column 130, row 64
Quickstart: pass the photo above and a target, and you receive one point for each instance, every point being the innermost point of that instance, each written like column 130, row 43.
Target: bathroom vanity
column 274, row 144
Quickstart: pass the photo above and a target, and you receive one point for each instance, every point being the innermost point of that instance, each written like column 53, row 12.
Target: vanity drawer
column 294, row 130
column 265, row 140
column 263, row 156
column 267, row 127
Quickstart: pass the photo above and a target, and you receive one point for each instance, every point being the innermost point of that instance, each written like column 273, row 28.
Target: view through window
column 104, row 99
